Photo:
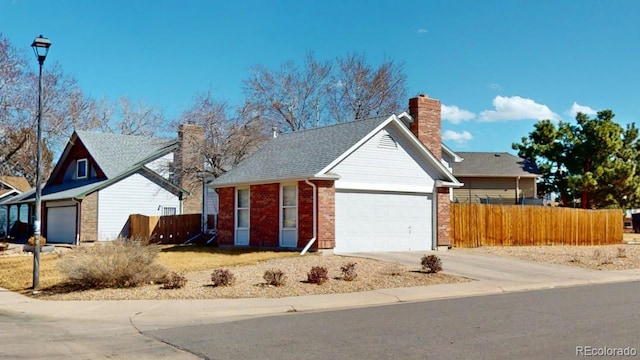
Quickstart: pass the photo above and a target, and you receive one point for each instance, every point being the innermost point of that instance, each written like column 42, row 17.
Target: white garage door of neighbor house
column 368, row 221
column 61, row 224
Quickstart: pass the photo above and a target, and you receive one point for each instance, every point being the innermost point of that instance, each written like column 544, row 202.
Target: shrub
column 174, row 281
column 275, row 277
column 431, row 264
column 222, row 277
column 318, row 275
column 120, row 263
column 349, row 271
column 32, row 241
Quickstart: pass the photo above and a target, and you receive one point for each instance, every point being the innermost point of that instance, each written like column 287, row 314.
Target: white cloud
column 457, row 137
column 494, row 86
column 576, row 108
column 456, row 115
column 517, row 108
column 422, row 31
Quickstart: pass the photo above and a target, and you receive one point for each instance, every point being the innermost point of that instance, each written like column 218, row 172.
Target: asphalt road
column 546, row 324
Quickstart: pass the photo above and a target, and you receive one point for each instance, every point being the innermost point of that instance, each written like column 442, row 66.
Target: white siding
column 375, row 167
column 162, row 166
column 133, row 195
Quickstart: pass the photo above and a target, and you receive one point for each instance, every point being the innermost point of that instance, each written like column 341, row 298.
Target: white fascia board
column 499, row 176
column 356, row 145
column 383, row 187
column 456, row 157
column 440, row 183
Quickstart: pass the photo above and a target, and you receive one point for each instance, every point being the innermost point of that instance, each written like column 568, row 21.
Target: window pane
column 243, row 218
column 289, row 197
column 243, row 198
column 289, row 217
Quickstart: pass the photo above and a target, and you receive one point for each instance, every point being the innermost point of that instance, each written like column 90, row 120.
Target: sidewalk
column 491, row 275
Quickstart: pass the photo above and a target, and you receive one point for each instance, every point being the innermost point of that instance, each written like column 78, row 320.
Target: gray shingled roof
column 493, row 164
column 116, row 154
column 299, row 154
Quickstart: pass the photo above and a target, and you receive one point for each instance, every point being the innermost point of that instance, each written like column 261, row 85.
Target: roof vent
column 386, row 141
column 496, row 155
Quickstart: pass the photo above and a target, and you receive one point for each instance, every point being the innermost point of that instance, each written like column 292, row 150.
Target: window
column 243, row 209
column 166, row 210
column 81, row 169
column 289, row 207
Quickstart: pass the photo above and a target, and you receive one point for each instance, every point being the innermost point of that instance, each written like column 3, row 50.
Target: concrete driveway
column 508, row 272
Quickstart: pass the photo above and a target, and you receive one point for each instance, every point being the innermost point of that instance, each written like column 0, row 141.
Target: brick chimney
column 426, row 123
column 189, row 164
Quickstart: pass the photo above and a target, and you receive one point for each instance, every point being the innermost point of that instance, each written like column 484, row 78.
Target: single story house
column 378, row 184
column 101, row 179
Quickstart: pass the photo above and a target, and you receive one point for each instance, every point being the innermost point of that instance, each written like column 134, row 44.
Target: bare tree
column 65, row 108
column 290, row 98
column 228, row 138
column 359, row 91
column 295, row 98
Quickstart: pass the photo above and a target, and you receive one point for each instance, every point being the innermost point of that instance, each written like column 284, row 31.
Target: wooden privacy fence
column 474, row 225
column 170, row 229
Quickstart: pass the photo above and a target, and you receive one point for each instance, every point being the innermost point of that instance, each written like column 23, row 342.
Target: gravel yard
column 371, row 275
column 606, row 257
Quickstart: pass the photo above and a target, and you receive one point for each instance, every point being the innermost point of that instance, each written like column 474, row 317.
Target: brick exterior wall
column 226, row 215
column 305, row 215
column 326, row 214
column 326, row 238
column 264, row 224
column 189, row 161
column 89, row 218
column 444, row 217
column 426, row 123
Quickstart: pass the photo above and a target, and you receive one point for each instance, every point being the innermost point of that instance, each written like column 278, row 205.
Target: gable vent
column 386, row 141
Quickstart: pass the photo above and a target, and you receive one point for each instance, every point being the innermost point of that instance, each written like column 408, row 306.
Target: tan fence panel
column 476, row 225
column 170, row 229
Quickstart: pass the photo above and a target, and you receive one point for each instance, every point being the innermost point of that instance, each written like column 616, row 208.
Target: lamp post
column 40, row 48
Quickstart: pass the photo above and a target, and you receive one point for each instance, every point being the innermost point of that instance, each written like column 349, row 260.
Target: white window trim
column 235, row 225
column 282, row 207
column 86, row 168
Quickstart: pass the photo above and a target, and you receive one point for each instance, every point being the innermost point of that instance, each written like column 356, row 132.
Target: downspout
column 517, row 189
column 79, row 220
column 434, row 218
column 315, row 218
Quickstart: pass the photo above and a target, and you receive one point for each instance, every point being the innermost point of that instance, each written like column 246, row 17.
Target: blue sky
column 497, row 66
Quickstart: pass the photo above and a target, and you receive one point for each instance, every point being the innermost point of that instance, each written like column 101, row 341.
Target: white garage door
column 367, row 221
column 61, row 224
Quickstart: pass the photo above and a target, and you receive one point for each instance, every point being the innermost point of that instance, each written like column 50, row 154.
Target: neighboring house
column 377, row 184
column 100, row 179
column 499, row 178
column 10, row 186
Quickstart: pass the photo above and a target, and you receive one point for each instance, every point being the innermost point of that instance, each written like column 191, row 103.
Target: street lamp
column 40, row 48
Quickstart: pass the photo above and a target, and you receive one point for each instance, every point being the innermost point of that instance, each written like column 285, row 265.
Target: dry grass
column 16, row 271
column 187, row 258
column 604, row 257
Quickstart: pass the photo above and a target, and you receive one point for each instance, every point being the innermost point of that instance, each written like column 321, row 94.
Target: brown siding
column 504, row 188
